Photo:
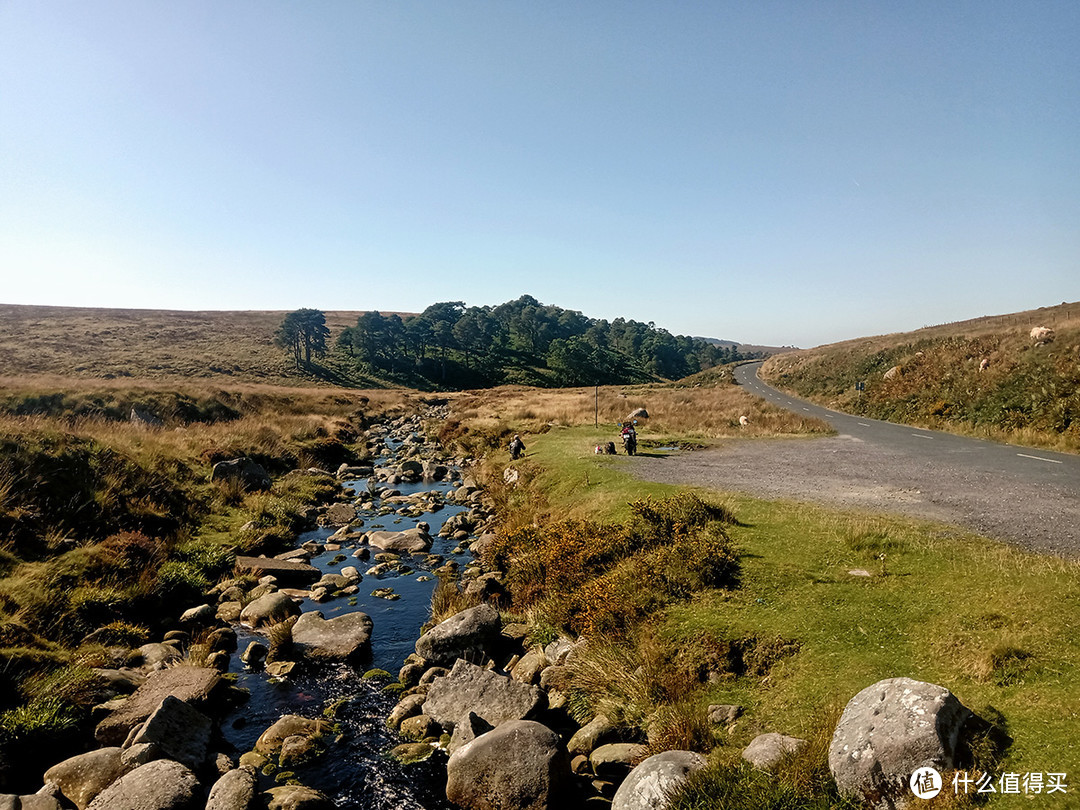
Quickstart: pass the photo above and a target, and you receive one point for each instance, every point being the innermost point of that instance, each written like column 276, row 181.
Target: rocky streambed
column 304, row 683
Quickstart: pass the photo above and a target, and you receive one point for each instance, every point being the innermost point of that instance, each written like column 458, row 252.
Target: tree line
column 451, row 345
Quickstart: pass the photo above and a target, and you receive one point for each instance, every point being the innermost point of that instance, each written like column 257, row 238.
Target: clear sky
column 767, row 172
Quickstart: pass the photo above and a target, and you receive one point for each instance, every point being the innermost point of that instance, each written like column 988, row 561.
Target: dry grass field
column 105, row 344
column 675, row 412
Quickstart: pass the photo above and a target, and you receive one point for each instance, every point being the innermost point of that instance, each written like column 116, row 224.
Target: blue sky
column 768, row 172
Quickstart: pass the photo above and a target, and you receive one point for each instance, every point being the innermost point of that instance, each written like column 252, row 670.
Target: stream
column 355, row 771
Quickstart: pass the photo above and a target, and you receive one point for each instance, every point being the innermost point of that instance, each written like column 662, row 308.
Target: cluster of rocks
column 161, row 749
column 475, row 694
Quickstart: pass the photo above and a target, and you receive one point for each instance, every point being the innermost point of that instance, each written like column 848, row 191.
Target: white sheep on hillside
column 985, row 364
column 743, row 421
column 1041, row 335
column 892, row 373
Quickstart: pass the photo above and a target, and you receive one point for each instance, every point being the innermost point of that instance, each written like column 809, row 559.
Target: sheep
column 1042, row 335
column 985, row 364
column 743, row 421
column 892, row 373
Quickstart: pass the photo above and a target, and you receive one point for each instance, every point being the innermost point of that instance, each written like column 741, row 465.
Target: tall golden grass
column 706, row 412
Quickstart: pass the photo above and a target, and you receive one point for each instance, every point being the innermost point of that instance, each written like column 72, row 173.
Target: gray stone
column 495, row 698
column 343, row 638
column 136, row 755
column 269, row 609
column 408, row 706
column 765, row 750
column 409, row 541
column 340, row 514
column 590, row 736
column 651, row 783
column 614, row 760
column 159, row 785
column 190, row 684
column 39, row 802
column 520, row 765
column 235, row 790
column 180, row 731
column 471, row 633
column 248, row 473
column 297, row 797
column 467, row 729
column 255, row 654
column 201, row 615
column 83, row 777
column 889, row 730
column 271, row 740
column 527, row 670
column 286, row 572
column 157, row 656
column 723, row 714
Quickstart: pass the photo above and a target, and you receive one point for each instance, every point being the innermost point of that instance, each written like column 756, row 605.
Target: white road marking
column 865, row 424
column 921, row 436
column 806, row 409
column 1040, row 458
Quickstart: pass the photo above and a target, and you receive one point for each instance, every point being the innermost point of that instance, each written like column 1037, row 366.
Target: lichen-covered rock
column 235, row 790
column 297, row 797
column 470, row 634
column 495, row 698
column 520, row 765
column 342, row 638
column 180, row 732
column 651, row 783
column 889, row 730
column 269, row 609
column 271, row 740
column 159, row 785
column 765, row 750
column 83, row 777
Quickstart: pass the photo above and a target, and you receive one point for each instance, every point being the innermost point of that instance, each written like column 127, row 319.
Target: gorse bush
column 591, row 577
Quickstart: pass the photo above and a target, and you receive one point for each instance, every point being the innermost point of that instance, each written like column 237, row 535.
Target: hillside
column 446, row 347
column 985, row 377
column 153, row 344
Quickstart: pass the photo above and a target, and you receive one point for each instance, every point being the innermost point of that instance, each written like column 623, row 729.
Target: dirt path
column 847, row 471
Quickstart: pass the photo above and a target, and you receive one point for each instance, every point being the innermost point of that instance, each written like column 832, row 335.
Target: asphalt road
column 1025, row 496
column 1024, row 464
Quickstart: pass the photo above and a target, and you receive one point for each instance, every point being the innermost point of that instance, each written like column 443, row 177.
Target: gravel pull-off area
column 850, row 472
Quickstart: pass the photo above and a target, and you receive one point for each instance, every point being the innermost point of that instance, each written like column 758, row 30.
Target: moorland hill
column 989, row 376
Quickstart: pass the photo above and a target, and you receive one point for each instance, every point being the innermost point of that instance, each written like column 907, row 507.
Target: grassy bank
column 985, row 378
column 110, row 528
column 798, row 635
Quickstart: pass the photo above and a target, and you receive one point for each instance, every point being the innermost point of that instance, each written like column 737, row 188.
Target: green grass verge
column 997, row 626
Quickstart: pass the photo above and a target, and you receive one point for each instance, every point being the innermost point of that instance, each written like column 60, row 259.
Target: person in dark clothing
column 517, row 447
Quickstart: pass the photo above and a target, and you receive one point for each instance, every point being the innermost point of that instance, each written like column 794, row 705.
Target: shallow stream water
column 355, row 771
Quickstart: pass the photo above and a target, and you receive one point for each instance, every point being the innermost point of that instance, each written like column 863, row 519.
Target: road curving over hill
column 1024, row 496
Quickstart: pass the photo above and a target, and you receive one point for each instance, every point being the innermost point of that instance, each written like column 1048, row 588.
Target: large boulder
column 471, row 633
column 494, row 698
column 651, row 783
column 520, row 765
column 247, row 473
column 235, row 790
column 190, row 684
column 158, row 785
column 83, row 777
column 343, row 638
column 889, row 730
column 269, row 609
column 180, row 732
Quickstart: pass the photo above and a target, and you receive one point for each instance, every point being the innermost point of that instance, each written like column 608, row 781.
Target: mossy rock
column 254, row 759
column 394, row 688
column 377, row 675
column 410, row 753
